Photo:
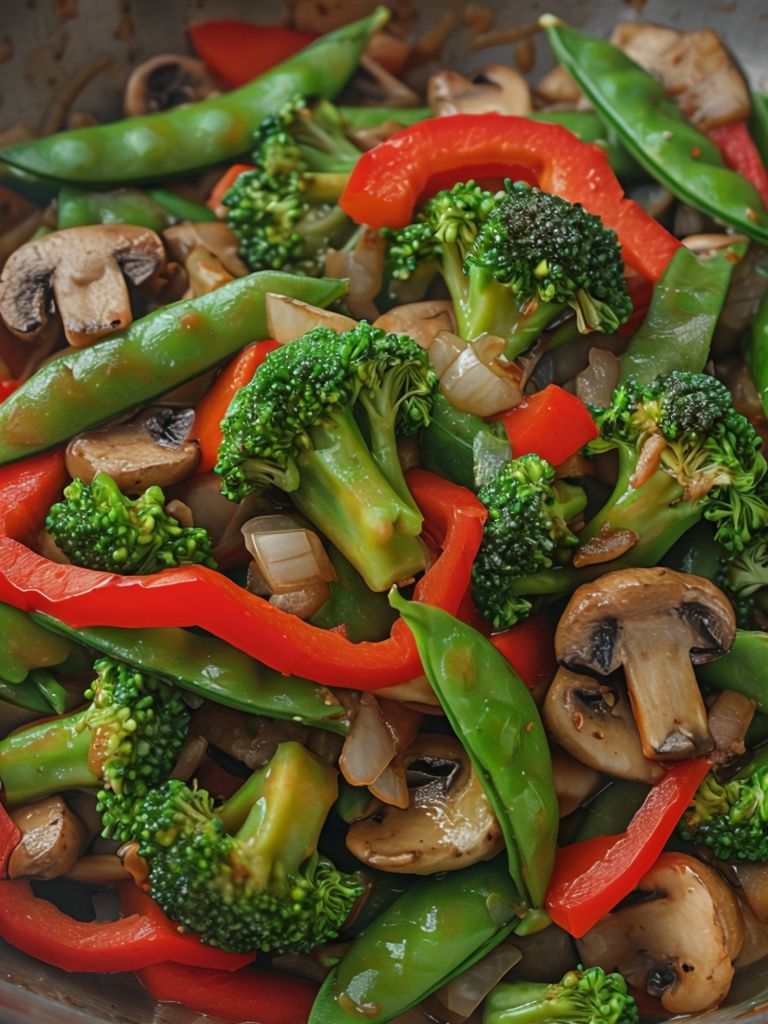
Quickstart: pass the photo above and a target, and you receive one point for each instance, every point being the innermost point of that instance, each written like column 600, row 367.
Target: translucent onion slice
column 369, row 747
column 288, row 319
column 478, row 382
column 287, row 556
column 446, row 347
column 458, row 999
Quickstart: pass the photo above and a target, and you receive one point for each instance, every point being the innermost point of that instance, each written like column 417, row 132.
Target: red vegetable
column 388, row 180
column 591, row 877
column 195, row 595
column 213, row 406
column 35, row 926
column 552, row 423
column 7, row 387
column 224, row 184
column 239, row 51
column 529, row 647
column 741, row 154
column 247, row 995
column 10, row 836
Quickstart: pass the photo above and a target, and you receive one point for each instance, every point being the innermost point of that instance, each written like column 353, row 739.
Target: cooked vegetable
column 590, row 996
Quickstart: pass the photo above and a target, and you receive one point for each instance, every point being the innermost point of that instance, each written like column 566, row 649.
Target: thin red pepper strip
column 35, row 926
column 250, row 994
column 239, row 50
column 388, row 180
column 196, row 596
column 741, row 154
column 10, row 837
column 590, row 878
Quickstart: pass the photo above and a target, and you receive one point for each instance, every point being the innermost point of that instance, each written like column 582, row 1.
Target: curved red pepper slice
column 388, row 180
column 10, row 837
column 196, row 596
column 35, row 926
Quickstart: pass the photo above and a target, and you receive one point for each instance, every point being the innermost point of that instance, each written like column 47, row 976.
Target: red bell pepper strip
column 529, row 647
column 552, row 423
column 212, row 408
column 250, row 994
column 741, row 154
column 10, row 837
column 7, row 387
column 239, row 50
column 224, row 184
column 591, row 877
column 197, row 596
column 37, row 927
column 388, row 180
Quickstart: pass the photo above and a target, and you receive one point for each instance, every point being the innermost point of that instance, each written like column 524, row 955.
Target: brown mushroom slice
column 592, row 720
column 84, row 271
column 574, row 781
column 677, row 942
column 151, row 449
column 449, row 823
column 51, row 839
column 215, row 236
column 422, row 321
column 164, row 81
column 655, row 623
column 494, row 90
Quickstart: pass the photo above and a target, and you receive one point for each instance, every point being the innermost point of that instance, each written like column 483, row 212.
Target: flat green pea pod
column 588, row 127
column 153, row 355
column 493, row 714
column 677, row 331
column 743, row 669
column 756, row 351
column 25, row 645
column 179, row 207
column 434, row 931
column 654, row 130
column 210, row 668
column 758, row 124
column 77, row 207
column 189, row 137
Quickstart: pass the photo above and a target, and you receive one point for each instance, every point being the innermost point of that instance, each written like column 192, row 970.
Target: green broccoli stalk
column 248, row 875
column 731, row 818
column 98, row 527
column 125, row 742
column 744, row 578
column 514, row 261
column 582, row 997
column 320, row 420
column 527, row 530
column 684, row 455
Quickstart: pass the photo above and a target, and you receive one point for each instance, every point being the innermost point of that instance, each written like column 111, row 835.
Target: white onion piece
column 595, row 385
column 369, row 746
column 289, row 557
column 304, row 602
column 477, row 382
column 363, row 265
column 461, row 996
column 446, row 347
column 288, row 319
column 415, row 691
column 391, row 787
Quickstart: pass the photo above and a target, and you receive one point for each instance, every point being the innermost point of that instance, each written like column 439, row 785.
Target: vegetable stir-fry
column 384, row 531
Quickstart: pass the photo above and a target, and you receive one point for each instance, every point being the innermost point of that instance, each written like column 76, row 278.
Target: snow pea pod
column 189, row 137
column 179, row 207
column 758, row 124
column 756, row 350
column 438, row 928
column 588, row 127
column 153, row 355
column 676, row 333
column 493, row 714
column 743, row 669
column 212, row 669
column 654, row 130
column 450, row 444
column 77, row 207
column 24, row 645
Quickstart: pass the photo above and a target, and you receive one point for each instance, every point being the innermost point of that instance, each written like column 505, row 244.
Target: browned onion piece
column 446, row 347
column 363, row 265
column 190, row 757
column 728, row 720
column 753, row 878
column 369, row 747
column 288, row 319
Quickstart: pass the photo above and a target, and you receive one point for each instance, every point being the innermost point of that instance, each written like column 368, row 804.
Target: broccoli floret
column 248, row 875
column 125, row 742
column 744, row 578
column 285, row 213
column 98, row 527
column 582, row 997
column 731, row 818
column 527, row 530
column 301, row 424
column 513, row 262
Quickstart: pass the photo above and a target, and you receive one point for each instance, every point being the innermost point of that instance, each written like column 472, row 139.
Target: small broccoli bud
column 582, row 997
column 731, row 818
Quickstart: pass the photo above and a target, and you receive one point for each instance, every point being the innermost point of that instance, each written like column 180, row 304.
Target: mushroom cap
column 496, row 89
column 164, row 81
column 51, row 839
column 678, row 943
column 449, row 824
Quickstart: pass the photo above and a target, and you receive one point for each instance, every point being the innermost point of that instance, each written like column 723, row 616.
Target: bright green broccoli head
column 582, row 997
column 304, row 137
column 248, row 875
column 731, row 818
column 527, row 530
column 98, row 527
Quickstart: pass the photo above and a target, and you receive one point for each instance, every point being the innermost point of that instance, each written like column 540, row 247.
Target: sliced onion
column 415, row 691
column 729, row 718
column 288, row 319
column 459, row 998
column 304, row 602
column 288, row 556
column 363, row 265
column 477, row 382
column 446, row 347
column 391, row 787
column 422, row 321
column 595, row 385
column 369, row 746
column 753, row 878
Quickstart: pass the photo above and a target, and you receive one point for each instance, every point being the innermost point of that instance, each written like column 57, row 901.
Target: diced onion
column 459, row 998
column 288, row 557
column 288, row 319
column 305, row 602
column 369, row 747
column 444, row 350
column 477, row 382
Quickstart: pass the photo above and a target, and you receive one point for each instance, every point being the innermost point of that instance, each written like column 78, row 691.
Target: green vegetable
column 493, row 714
column 157, row 353
column 731, row 818
column 179, row 207
column 744, row 578
column 743, row 669
column 98, row 527
column 758, row 124
column 359, row 118
column 588, row 127
column 459, row 445
column 76, row 207
column 365, row 614
column 514, row 261
column 247, row 876
column 756, row 350
column 198, row 134
column 294, row 425
column 24, row 646
column 607, row 813
column 654, row 130
column 676, row 333
column 582, row 997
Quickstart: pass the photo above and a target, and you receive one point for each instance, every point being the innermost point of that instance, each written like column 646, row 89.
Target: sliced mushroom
column 422, row 321
column 214, row 236
column 449, row 823
column 655, row 623
column 574, row 781
column 593, row 722
column 153, row 448
column 82, row 272
column 51, row 839
column 677, row 941
column 165, row 81
column 251, row 739
column 494, row 90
